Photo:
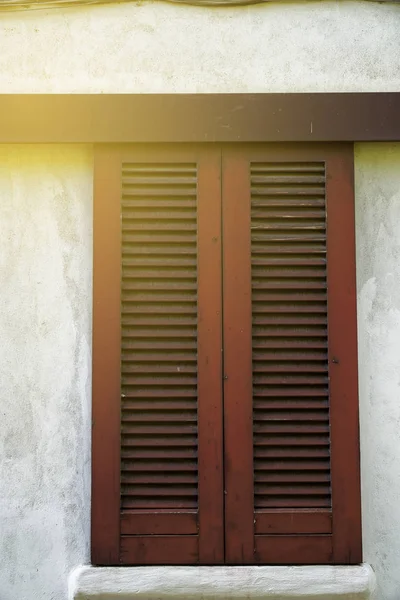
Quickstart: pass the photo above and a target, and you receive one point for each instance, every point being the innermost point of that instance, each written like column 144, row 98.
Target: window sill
column 211, row 583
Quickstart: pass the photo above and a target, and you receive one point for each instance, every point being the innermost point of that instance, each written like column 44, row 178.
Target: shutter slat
column 289, row 296
column 138, row 453
column 270, row 427
column 159, row 478
column 160, row 203
column 282, row 190
column 290, row 392
column 152, row 178
column 160, row 238
column 270, row 260
column 152, row 227
column 155, row 429
column 292, row 465
column 159, row 336
column 291, row 451
column 297, row 404
column 298, row 477
column 165, row 415
column 159, row 368
column 174, row 393
column 160, row 250
column 166, row 345
column 287, row 246
column 290, row 284
column 275, row 235
column 297, row 179
column 169, row 216
column 150, row 466
column 288, row 319
column 305, row 379
column 153, row 308
column 162, row 286
column 289, row 343
column 290, row 371
column 147, row 489
column 158, row 261
column 288, row 437
column 157, row 439
column 266, row 224
column 301, row 414
column 158, row 358
column 260, row 366
column 281, row 271
column 261, row 358
column 302, row 212
column 162, row 190
column 150, row 502
column 152, row 297
column 287, row 167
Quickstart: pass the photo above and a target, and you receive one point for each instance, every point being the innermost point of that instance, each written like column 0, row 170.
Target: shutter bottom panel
column 165, row 522
column 293, row 549
column 159, row 550
column 292, row 521
column 159, row 418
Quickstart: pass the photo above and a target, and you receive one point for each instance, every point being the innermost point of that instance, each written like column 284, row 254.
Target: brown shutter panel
column 170, row 375
column 297, row 419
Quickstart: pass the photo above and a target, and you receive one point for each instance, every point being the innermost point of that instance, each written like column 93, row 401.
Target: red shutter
column 171, row 503
column 266, row 306
column 291, row 385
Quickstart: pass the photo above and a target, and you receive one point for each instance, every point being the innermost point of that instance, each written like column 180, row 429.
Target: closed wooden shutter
column 286, row 214
column 225, row 411
column 170, row 363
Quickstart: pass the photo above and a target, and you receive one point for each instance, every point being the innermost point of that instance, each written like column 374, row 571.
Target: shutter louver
column 290, row 361
column 159, row 336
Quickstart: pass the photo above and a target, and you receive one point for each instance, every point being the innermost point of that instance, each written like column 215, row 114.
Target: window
column 225, row 409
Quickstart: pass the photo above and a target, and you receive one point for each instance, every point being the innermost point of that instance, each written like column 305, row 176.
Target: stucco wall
column 160, row 47
column 45, row 367
column 378, row 281
column 46, row 247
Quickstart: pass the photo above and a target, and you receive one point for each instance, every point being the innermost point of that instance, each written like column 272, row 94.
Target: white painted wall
column 160, row 47
column 46, row 246
column 45, row 367
column 378, row 281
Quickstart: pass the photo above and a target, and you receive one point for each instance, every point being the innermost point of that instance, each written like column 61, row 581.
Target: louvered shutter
column 170, row 502
column 290, row 357
column 244, row 286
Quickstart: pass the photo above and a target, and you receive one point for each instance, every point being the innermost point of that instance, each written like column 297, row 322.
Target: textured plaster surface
column 45, row 378
column 45, row 333
column 218, row 583
column 159, row 47
column 378, row 280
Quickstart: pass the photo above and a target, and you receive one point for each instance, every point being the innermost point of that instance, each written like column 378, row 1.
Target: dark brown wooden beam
column 117, row 118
